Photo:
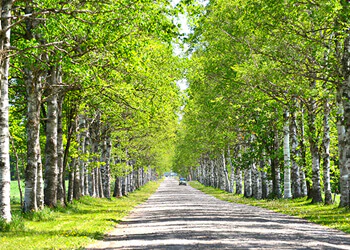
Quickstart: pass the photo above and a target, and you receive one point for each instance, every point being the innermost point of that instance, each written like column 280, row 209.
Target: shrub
column 46, row 214
column 16, row 224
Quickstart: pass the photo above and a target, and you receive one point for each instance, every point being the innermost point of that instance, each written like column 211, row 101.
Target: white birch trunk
column 303, row 183
column 239, row 179
column 60, row 154
column 97, row 182
column 92, row 186
column 86, row 170
column 232, row 176
column 100, row 186
column 212, row 174
column 343, row 127
column 33, row 169
column 256, row 182
column 275, row 168
column 286, row 154
column 206, row 173
column 313, row 141
column 223, row 173
column 326, row 158
column 5, row 176
column 76, row 166
column 82, row 144
column 105, row 169
column 248, row 183
column 76, row 180
column 144, row 177
column 296, row 186
column 118, row 187
column 94, row 130
column 344, row 174
column 51, row 170
column 129, row 182
column 40, row 186
column 125, row 185
column 264, row 183
column 302, row 176
column 71, row 181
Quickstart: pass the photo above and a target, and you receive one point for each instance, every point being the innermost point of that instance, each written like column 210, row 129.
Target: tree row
column 88, row 96
column 268, row 98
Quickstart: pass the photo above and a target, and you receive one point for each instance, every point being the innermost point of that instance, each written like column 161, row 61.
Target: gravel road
column 181, row 217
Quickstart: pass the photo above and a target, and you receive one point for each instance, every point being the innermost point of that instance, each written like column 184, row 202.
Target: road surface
column 181, row 217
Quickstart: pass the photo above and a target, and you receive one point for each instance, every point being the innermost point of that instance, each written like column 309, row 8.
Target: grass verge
column 328, row 215
column 72, row 227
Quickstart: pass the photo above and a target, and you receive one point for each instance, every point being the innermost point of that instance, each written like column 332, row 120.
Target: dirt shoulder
column 181, row 217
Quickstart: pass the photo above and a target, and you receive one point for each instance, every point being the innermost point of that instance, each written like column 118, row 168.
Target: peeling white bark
column 51, row 169
column 286, row 154
column 5, row 178
column 326, row 156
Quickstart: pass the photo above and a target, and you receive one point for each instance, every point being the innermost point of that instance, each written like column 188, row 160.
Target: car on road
column 182, row 181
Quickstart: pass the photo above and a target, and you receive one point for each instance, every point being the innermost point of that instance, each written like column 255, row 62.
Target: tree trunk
column 344, row 179
column 275, row 168
column 286, row 156
column 76, row 179
column 248, row 183
column 264, row 184
column 124, row 185
column 224, row 182
column 326, row 158
column 71, row 181
column 86, row 170
column 232, row 176
column 303, row 183
column 82, row 149
column 100, row 186
column 343, row 129
column 105, row 169
column 51, row 171
column 239, row 179
column 97, row 182
column 5, row 174
column 206, row 172
column 296, row 190
column 255, row 181
column 211, row 172
column 61, row 198
column 34, row 95
column 92, row 184
column 71, row 122
column 118, row 187
column 313, row 140
column 129, row 182
column 139, row 178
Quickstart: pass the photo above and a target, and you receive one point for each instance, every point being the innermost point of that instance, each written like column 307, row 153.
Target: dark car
column 182, row 181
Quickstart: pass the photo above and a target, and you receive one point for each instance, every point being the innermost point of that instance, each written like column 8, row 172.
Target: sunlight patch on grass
column 81, row 223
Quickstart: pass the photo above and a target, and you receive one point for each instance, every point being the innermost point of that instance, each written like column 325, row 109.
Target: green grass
column 328, row 215
column 73, row 227
column 15, row 197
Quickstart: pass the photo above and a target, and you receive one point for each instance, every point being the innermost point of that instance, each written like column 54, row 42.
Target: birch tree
column 5, row 28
